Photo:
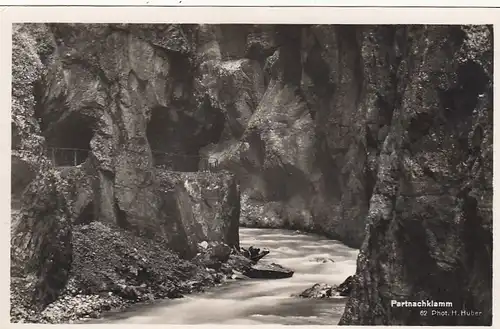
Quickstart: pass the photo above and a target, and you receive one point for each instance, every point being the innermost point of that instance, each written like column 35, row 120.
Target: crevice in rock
column 171, row 147
column 69, row 140
column 371, row 180
column 39, row 109
column 284, row 182
column 87, row 215
column 121, row 217
column 254, row 161
column 157, row 128
column 318, row 70
column 460, row 101
column 385, row 108
column 215, row 121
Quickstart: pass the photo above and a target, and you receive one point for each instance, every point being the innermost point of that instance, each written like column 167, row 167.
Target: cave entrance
column 172, row 148
column 87, row 216
column 178, row 149
column 69, row 141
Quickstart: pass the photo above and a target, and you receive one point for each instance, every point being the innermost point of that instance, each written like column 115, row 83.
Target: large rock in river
column 268, row 271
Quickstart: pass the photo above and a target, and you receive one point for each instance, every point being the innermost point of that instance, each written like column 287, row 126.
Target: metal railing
column 67, row 157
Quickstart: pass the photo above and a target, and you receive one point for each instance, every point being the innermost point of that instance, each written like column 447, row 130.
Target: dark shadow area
column 157, row 128
column 288, row 37
column 169, row 145
column 87, row 216
column 285, row 182
column 419, row 126
column 21, row 176
column 328, row 166
column 69, row 140
column 178, row 149
column 121, row 217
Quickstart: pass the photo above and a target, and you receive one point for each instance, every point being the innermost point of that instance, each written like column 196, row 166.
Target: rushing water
column 263, row 301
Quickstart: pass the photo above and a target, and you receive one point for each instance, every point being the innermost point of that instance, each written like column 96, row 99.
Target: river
column 263, row 301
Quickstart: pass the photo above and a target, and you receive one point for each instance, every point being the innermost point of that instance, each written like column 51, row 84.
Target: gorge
column 380, row 137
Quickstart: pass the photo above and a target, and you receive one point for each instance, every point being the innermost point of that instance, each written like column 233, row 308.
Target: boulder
column 322, row 260
column 345, row 288
column 268, row 271
column 239, row 276
column 319, row 290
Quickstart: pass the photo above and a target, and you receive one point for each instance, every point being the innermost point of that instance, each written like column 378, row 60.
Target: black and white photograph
column 249, row 174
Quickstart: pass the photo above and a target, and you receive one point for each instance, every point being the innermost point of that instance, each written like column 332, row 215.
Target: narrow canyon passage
column 262, row 301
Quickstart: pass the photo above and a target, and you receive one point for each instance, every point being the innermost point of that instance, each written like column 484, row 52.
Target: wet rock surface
column 268, row 271
column 322, row 260
column 323, row 290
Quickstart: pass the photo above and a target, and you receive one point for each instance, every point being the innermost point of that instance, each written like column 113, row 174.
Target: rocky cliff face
column 429, row 227
column 71, row 91
column 381, row 134
column 106, row 91
column 260, row 101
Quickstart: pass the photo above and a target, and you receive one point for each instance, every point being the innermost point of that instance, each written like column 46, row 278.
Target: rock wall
column 263, row 102
column 429, row 227
column 301, row 157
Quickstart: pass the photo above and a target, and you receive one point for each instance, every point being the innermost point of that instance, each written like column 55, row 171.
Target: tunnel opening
column 459, row 102
column 170, row 147
column 69, row 140
column 179, row 149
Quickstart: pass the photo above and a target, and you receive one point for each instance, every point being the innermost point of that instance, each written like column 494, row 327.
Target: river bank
column 313, row 258
column 214, row 296
column 110, row 269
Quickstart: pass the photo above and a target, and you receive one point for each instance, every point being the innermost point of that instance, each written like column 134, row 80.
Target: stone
column 254, row 254
column 268, row 271
column 345, row 288
column 322, row 260
column 319, row 290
